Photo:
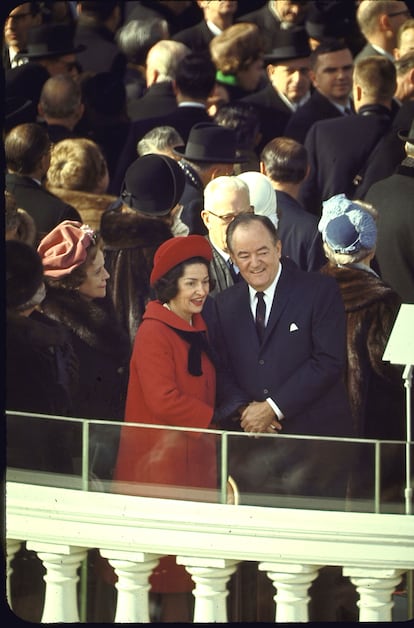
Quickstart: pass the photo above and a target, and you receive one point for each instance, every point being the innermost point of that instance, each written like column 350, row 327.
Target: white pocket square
column 293, row 327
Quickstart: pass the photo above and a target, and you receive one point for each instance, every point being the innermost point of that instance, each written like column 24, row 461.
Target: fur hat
column 24, row 276
column 153, row 184
column 346, row 226
column 65, row 248
column 177, row 250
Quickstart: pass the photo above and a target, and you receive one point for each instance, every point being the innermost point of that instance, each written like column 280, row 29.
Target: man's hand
column 258, row 417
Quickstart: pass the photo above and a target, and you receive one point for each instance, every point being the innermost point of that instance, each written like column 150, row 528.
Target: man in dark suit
column 379, row 24
column 61, row 107
column 16, row 27
column 217, row 16
column 162, row 62
column 193, row 84
column 331, row 75
column 339, row 149
column 95, row 29
column 280, row 370
column 27, row 151
column 393, row 199
column 274, row 18
column 285, row 162
column 288, row 84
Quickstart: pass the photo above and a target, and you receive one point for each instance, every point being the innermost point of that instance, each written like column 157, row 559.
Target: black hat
column 211, row 143
column 153, row 184
column 407, row 136
column 24, row 273
column 50, row 40
column 293, row 43
column 327, row 21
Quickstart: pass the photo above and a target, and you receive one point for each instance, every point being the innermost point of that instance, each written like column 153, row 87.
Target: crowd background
column 129, row 124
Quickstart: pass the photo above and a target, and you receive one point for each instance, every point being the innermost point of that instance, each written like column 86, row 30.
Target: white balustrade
column 61, row 563
column 375, row 588
column 12, row 547
column 292, row 583
column 133, row 570
column 211, row 576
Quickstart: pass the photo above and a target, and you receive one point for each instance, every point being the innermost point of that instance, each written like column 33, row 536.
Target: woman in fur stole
column 375, row 387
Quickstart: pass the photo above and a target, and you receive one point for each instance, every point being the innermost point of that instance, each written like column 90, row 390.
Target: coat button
column 261, row 362
column 265, row 391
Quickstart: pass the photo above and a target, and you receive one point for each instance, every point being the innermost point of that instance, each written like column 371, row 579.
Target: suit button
column 261, row 362
column 265, row 391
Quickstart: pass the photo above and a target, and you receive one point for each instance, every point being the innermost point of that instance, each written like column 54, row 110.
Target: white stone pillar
column 12, row 547
column 291, row 583
column 210, row 576
column 133, row 570
column 375, row 588
column 61, row 563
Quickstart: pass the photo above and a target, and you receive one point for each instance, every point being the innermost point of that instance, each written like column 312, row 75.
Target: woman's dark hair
column 166, row 288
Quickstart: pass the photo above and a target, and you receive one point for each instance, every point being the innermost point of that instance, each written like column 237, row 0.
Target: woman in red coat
column 172, row 383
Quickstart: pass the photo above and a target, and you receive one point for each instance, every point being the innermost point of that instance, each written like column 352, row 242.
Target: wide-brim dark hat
column 50, row 40
column 153, row 185
column 407, row 136
column 293, row 44
column 210, row 143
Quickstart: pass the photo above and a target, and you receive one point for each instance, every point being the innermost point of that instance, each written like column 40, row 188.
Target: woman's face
column 193, row 288
column 94, row 285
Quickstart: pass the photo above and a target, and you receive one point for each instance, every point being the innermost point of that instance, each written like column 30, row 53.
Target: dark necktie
column 260, row 315
column 233, row 273
column 347, row 111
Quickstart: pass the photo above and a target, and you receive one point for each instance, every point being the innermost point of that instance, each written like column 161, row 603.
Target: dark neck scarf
column 198, row 343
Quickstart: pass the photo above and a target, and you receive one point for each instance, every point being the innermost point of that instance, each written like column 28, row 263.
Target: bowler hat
column 24, row 273
column 153, row 184
column 407, row 136
column 293, row 44
column 50, row 40
column 176, row 250
column 210, row 143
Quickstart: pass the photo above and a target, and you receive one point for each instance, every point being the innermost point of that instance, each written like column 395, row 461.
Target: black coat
column 269, row 25
column 393, row 197
column 197, row 37
column 274, row 114
column 338, row 150
column 298, row 231
column 41, row 378
column 158, row 100
column 102, row 349
column 46, row 209
column 318, row 107
column 102, row 53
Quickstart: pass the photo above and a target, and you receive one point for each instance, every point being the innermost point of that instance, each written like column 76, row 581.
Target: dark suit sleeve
column 310, row 195
column 325, row 364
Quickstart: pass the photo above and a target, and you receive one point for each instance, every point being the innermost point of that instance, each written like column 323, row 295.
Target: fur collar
column 359, row 288
column 93, row 322
column 128, row 229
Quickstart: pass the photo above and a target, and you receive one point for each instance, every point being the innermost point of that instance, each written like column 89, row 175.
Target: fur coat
column 130, row 241
column 375, row 387
column 90, row 206
column 102, row 350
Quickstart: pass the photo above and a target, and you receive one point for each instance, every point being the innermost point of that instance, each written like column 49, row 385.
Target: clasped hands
column 259, row 417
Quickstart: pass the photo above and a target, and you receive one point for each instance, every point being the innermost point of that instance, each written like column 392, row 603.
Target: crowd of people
column 209, row 219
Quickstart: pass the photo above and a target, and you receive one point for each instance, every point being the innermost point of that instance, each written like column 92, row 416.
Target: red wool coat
column 161, row 391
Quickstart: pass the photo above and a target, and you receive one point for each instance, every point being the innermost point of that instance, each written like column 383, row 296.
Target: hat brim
column 56, row 53
column 405, row 136
column 218, row 159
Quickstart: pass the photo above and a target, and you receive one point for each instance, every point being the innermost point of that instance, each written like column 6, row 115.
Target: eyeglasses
column 228, row 218
column 396, row 13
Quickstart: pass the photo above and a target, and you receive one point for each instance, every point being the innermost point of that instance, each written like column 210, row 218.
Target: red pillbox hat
column 177, row 250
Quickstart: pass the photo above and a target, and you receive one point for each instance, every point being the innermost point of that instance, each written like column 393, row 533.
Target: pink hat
column 177, row 250
column 65, row 248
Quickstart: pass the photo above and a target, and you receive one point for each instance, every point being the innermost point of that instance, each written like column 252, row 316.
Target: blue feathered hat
column 346, row 226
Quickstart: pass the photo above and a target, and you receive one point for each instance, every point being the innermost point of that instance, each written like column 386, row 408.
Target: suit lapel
column 280, row 301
